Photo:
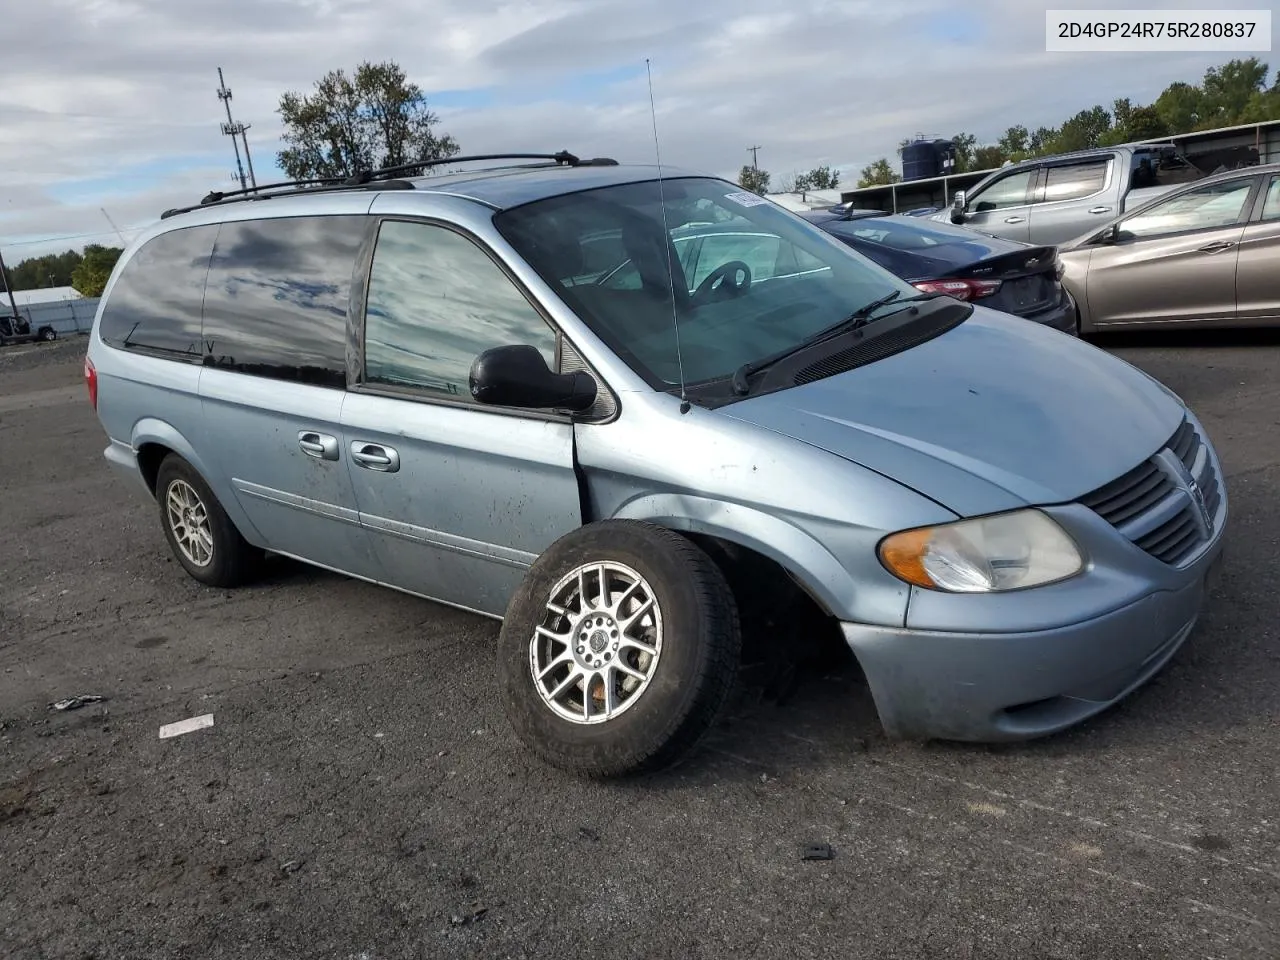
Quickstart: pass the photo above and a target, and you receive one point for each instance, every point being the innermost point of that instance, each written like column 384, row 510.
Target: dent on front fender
column 821, row 572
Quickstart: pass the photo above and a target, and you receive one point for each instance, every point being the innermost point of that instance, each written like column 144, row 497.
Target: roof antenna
column 666, row 230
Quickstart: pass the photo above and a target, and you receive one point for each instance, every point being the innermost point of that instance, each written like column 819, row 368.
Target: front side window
column 1074, row 181
column 1009, row 192
column 801, row 280
column 1215, row 205
column 436, row 302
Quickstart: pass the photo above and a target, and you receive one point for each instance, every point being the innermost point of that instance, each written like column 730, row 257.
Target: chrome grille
column 1154, row 506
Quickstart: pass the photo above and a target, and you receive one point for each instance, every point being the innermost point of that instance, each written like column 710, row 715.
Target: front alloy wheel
column 598, row 645
column 618, row 650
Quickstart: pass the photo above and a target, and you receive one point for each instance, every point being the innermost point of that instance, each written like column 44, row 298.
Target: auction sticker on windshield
column 746, row 198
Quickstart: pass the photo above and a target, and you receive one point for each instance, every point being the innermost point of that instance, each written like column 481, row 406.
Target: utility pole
column 233, row 130
column 753, row 151
column 8, row 287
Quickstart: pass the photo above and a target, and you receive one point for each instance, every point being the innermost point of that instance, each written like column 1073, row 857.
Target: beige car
column 1206, row 253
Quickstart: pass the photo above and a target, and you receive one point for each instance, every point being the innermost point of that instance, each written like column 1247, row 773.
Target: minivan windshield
column 751, row 280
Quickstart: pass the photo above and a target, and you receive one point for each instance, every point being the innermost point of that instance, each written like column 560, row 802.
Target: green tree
column 1084, row 131
column 94, row 270
column 1041, row 141
column 1263, row 105
column 1228, row 90
column 375, row 118
column 1181, row 106
column 1014, row 142
column 819, row 178
column 1145, row 123
column 754, row 179
column 964, row 143
column 991, row 155
column 877, row 173
column 50, row 270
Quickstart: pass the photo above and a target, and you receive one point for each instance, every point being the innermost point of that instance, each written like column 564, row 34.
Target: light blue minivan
column 509, row 390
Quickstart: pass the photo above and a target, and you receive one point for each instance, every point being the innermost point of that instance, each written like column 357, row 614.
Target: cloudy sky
column 110, row 105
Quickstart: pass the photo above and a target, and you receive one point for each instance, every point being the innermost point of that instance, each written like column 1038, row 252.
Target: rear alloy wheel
column 619, row 649
column 200, row 533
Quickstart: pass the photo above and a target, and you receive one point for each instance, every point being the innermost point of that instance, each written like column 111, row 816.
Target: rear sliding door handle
column 318, row 445
column 1015, row 219
column 1217, row 246
column 374, row 456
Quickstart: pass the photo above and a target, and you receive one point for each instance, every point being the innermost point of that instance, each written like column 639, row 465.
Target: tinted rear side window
column 276, row 301
column 1074, row 180
column 154, row 306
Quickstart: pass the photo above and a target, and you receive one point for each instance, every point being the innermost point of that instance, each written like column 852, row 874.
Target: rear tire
column 200, row 534
column 642, row 670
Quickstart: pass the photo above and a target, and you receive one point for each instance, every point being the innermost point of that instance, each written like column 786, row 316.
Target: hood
column 995, row 414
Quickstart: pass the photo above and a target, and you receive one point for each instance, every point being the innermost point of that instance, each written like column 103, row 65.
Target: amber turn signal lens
column 903, row 553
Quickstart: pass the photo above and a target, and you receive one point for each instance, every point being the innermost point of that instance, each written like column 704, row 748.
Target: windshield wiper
column 859, row 318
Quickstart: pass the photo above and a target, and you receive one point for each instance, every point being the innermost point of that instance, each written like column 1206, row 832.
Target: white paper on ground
column 186, row 726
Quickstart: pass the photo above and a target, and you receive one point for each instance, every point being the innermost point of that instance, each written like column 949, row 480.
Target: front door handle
column 374, row 456
column 1015, row 219
column 1100, row 210
column 1217, row 246
column 318, row 445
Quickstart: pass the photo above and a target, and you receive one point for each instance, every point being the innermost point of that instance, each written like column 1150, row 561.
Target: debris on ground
column 466, row 919
column 189, row 725
column 75, row 703
column 818, row 851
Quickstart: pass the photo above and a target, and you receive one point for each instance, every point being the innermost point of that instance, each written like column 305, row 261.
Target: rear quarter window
column 277, row 297
column 154, row 305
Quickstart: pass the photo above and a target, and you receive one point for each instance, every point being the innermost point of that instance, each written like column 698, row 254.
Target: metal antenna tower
column 233, row 130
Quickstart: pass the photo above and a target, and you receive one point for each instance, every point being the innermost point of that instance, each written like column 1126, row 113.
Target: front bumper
column 991, row 687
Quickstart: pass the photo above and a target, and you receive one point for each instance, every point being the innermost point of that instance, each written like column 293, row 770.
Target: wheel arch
column 154, row 439
column 811, row 565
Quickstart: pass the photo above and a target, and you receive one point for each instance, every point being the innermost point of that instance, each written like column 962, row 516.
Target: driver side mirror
column 518, row 376
column 957, row 207
column 1109, row 236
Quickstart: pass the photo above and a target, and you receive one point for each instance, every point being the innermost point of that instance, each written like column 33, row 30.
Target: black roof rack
column 380, row 179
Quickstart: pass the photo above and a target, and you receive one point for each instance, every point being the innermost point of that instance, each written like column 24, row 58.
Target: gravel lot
column 360, row 795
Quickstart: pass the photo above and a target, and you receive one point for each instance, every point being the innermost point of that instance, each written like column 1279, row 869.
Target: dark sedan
column 1005, row 275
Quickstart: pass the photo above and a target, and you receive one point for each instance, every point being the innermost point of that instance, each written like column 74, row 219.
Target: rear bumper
column 124, row 460
column 991, row 687
column 1062, row 316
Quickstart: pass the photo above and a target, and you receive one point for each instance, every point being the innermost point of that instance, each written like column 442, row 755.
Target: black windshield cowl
column 855, row 321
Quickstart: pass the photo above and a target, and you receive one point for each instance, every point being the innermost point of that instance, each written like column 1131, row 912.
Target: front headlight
column 1008, row 551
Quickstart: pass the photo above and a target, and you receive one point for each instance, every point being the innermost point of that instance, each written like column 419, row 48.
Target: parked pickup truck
column 1051, row 200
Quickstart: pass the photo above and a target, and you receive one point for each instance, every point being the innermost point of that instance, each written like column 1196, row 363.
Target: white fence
column 65, row 316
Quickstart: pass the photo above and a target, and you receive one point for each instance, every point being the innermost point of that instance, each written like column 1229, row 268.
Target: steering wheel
column 730, row 278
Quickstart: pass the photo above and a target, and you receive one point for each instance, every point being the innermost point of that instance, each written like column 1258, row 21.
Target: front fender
column 822, row 574
column 151, row 430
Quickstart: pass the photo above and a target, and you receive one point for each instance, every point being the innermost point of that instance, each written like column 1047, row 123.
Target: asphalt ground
column 360, row 795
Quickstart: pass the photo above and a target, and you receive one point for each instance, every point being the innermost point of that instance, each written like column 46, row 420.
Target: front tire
column 619, row 650
column 200, row 534
column 48, row 334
